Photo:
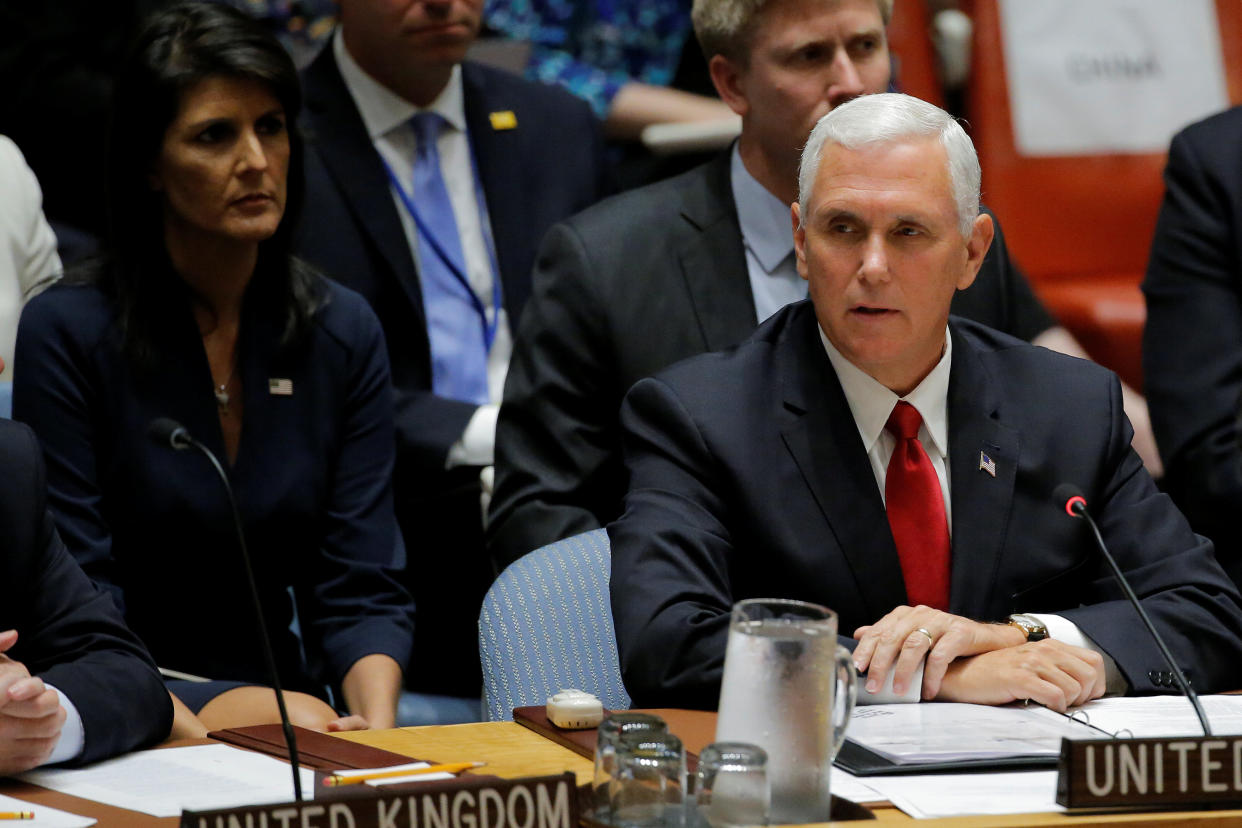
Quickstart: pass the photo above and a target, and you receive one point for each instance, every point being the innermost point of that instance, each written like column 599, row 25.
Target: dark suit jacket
column 545, row 169
column 622, row 290
column 748, row 479
column 312, row 478
column 1192, row 344
column 548, row 167
column 69, row 633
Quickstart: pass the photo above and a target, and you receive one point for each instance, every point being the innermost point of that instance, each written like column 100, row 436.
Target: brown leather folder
column 318, row 751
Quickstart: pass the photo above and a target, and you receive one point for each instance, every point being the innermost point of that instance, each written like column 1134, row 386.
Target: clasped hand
column 969, row 661
column 31, row 716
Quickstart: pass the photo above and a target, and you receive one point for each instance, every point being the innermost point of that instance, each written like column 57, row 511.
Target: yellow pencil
column 16, row 814
column 450, row 767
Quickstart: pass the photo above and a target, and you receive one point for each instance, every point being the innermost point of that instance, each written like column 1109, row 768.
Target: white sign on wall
column 1100, row 76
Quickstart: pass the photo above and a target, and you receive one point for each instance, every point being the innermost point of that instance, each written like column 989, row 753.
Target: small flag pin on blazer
column 504, row 119
column 987, row 464
column 280, row 387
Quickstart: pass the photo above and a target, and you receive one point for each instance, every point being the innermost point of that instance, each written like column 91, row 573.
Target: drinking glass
column 610, row 731
column 784, row 675
column 649, row 789
column 731, row 786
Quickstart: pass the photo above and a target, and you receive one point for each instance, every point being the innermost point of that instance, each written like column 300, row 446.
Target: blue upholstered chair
column 6, row 400
column 546, row 625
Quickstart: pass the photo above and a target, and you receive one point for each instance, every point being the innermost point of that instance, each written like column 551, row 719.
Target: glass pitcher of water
column 788, row 687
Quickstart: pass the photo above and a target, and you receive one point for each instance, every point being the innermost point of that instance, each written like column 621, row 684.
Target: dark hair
column 177, row 48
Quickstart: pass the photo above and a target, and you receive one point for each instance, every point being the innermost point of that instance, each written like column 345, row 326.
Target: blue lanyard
column 489, row 328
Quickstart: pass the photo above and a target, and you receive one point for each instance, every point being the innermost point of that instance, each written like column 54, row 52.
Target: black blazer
column 69, row 633
column 748, row 479
column 546, row 168
column 622, row 290
column 1192, row 344
column 153, row 527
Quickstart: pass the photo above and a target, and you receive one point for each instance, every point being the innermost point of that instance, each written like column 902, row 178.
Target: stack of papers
column 166, row 782
column 44, row 817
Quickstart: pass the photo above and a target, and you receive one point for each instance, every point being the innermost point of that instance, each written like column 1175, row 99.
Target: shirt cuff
column 72, row 734
column 477, row 444
column 1067, row 632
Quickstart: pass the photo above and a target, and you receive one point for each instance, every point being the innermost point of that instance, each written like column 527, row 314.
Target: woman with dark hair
column 197, row 312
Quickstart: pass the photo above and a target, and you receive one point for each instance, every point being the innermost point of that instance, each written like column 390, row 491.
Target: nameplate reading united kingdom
column 464, row 802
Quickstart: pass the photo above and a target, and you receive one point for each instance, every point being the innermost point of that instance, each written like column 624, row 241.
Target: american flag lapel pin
column 279, row 387
column 987, row 464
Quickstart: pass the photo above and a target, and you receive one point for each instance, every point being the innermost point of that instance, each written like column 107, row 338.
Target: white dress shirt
column 871, row 403
column 72, row 734
column 386, row 116
column 767, row 235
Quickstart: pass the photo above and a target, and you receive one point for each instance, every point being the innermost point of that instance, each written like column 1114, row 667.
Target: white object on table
column 166, row 782
column 45, row 817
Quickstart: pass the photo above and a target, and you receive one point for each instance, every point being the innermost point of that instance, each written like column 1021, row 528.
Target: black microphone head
column 168, row 432
column 1071, row 498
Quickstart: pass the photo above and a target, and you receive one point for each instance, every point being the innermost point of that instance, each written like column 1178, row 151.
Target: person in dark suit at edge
column 1192, row 343
column 693, row 264
column 75, row 684
column 867, row 451
column 430, row 180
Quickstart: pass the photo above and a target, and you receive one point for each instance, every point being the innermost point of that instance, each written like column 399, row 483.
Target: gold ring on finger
column 927, row 633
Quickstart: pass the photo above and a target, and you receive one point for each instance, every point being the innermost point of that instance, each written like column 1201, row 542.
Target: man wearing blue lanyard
column 429, row 183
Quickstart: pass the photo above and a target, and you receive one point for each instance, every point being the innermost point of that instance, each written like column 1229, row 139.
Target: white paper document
column 947, row 795
column 1143, row 717
column 395, row 780
column 848, row 786
column 165, row 782
column 44, row 817
column 1109, row 76
column 947, row 732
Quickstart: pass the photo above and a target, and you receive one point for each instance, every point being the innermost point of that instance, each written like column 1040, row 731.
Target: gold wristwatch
column 1031, row 627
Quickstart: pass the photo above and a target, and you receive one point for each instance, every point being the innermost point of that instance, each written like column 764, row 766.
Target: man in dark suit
column 75, row 683
column 827, row 457
column 510, row 158
column 1192, row 343
column 691, row 265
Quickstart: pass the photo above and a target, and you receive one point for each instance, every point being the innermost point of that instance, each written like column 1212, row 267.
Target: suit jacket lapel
column 981, row 503
column 333, row 122
column 713, row 261
column 496, row 151
column 824, row 442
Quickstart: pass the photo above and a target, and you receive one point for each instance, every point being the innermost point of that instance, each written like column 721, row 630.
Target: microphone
column 1075, row 504
column 170, row 433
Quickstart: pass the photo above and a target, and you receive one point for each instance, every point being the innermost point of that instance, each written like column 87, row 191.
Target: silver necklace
column 221, row 390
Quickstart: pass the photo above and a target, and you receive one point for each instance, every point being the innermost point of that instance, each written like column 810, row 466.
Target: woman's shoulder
column 81, row 309
column 346, row 316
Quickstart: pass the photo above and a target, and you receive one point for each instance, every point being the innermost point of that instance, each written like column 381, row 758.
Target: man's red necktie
column 916, row 512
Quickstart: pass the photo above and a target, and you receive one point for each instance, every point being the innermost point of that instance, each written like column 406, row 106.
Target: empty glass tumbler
column 731, row 785
column 649, row 788
column 609, row 734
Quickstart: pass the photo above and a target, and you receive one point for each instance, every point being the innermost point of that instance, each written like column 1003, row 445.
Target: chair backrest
column 6, row 400
column 1079, row 225
column 546, row 625
column 909, row 40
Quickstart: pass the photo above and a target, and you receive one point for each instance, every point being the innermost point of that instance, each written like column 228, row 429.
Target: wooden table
column 512, row 750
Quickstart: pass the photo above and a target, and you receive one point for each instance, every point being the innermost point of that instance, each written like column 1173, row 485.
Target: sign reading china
column 1109, row 76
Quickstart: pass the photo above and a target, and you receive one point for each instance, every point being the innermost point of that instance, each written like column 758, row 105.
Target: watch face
column 1034, row 629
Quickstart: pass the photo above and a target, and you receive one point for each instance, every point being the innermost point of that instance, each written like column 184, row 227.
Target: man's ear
column 727, row 78
column 799, row 236
column 981, row 233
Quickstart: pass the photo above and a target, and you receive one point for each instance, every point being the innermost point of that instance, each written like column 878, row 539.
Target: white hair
column 887, row 118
